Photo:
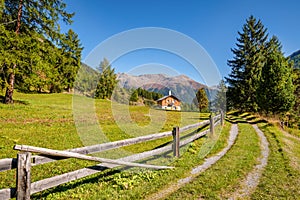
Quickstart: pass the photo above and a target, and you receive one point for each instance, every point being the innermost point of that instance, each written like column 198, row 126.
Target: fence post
column 176, row 138
column 23, row 175
column 211, row 119
column 222, row 118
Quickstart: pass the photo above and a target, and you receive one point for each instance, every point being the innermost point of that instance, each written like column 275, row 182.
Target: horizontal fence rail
column 11, row 163
column 38, row 186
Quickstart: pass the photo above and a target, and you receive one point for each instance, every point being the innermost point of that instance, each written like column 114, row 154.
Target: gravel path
column 252, row 180
column 197, row 170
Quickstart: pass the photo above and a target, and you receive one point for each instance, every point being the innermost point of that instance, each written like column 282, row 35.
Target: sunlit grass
column 223, row 177
column 47, row 120
column 279, row 179
column 136, row 184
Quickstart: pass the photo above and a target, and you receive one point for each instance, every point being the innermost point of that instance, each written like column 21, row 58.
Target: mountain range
column 181, row 86
column 296, row 58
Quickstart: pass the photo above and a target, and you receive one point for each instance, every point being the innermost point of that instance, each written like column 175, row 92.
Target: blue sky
column 212, row 24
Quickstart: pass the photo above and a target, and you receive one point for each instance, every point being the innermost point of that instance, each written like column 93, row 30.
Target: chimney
column 170, row 93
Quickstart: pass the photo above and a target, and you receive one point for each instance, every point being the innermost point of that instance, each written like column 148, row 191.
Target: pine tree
column 219, row 103
column 295, row 114
column 134, row 96
column 25, row 18
column 35, row 73
column 276, row 91
column 201, row 100
column 107, row 81
column 246, row 65
column 68, row 64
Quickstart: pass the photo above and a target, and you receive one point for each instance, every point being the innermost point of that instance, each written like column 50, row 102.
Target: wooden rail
column 23, row 162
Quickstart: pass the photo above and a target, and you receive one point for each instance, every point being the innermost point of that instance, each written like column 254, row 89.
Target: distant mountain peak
column 296, row 58
column 295, row 53
column 181, row 86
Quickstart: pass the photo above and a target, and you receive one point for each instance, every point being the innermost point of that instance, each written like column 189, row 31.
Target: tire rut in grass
column 279, row 179
column 292, row 144
column 197, row 170
column 250, row 183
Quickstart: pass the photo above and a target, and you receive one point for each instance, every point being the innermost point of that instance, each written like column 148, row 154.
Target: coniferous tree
column 69, row 63
column 201, row 100
column 134, row 96
column 36, row 71
column 246, row 65
column 276, row 91
column 219, row 103
column 107, row 81
column 295, row 114
column 24, row 18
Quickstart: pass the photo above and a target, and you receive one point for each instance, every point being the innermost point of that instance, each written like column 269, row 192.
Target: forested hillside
column 296, row 58
column 86, row 80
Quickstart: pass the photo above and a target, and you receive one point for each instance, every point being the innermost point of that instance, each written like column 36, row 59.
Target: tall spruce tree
column 27, row 17
column 276, row 91
column 219, row 104
column 107, row 81
column 68, row 64
column 34, row 72
column 296, row 109
column 201, row 100
column 246, row 66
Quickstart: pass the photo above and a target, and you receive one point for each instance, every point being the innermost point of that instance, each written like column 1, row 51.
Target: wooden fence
column 24, row 161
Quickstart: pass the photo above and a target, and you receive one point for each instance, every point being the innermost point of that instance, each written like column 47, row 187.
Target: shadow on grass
column 107, row 175
column 250, row 118
column 235, row 120
column 244, row 118
column 258, row 121
column 278, row 147
column 199, row 118
column 16, row 101
column 236, row 113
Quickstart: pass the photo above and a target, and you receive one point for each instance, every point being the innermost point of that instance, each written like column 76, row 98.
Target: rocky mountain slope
column 181, row 86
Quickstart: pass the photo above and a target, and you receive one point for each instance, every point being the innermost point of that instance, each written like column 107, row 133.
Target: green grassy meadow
column 54, row 121
column 46, row 120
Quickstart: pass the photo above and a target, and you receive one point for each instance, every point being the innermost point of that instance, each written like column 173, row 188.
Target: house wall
column 168, row 102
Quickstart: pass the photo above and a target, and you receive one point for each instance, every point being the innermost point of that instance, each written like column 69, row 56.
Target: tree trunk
column 10, row 88
column 19, row 17
column 11, row 79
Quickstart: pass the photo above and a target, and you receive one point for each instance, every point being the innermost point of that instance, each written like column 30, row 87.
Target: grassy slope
column 46, row 120
column 280, row 179
column 136, row 184
column 221, row 179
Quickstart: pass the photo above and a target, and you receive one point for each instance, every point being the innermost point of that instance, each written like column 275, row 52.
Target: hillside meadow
column 51, row 121
column 47, row 120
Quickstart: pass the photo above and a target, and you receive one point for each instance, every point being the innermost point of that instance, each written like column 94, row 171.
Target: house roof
column 167, row 97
